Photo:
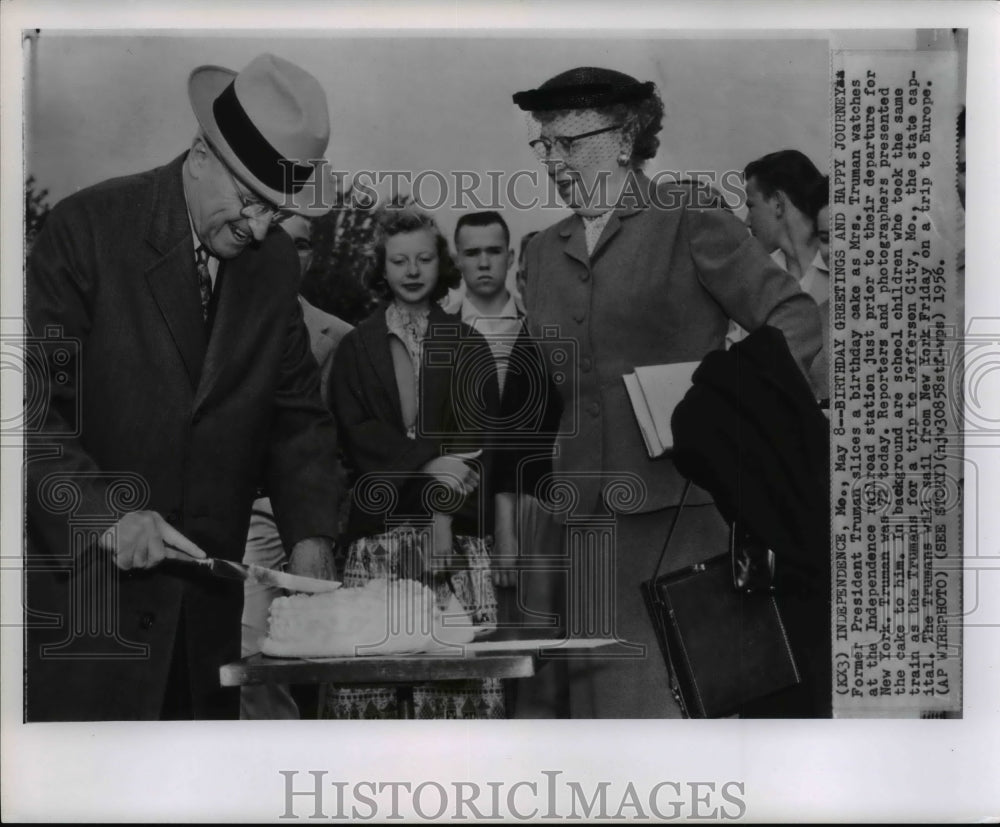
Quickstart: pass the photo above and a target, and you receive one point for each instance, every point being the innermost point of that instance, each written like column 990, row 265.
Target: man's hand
column 313, row 557
column 443, row 541
column 504, row 563
column 143, row 539
column 453, row 472
column 505, row 548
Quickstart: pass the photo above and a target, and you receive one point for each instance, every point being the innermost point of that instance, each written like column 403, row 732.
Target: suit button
column 196, row 418
column 579, row 317
column 173, row 517
column 585, row 276
column 594, row 409
column 585, row 364
column 146, row 621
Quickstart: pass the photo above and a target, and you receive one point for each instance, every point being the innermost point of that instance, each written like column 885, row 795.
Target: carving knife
column 232, row 570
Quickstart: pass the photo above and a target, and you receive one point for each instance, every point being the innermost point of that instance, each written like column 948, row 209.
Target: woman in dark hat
column 640, row 274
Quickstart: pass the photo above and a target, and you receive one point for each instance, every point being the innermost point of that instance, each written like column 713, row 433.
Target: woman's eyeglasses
column 564, row 143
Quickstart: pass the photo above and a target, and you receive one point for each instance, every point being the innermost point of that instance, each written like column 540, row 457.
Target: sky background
column 102, row 105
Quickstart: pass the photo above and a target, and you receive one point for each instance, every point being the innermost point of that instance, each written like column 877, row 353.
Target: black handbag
column 719, row 627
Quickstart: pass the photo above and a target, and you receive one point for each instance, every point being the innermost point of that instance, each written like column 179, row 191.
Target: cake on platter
column 382, row 617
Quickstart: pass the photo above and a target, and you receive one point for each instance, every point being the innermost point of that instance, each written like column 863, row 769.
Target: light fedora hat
column 271, row 125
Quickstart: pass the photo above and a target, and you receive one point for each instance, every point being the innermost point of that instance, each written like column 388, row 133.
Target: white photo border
column 792, row 770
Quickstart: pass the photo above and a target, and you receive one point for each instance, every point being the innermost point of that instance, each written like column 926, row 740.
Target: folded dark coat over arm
column 751, row 433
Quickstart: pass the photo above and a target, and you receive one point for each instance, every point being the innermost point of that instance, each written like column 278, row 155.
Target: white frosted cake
column 382, row 617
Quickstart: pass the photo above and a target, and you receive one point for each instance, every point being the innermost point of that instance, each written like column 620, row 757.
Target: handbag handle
column 673, row 525
column 675, row 688
column 745, row 577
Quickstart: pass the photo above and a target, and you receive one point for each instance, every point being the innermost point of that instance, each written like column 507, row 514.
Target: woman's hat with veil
column 586, row 87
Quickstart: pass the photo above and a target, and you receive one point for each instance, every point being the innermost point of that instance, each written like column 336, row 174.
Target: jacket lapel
column 634, row 199
column 171, row 277
column 610, row 230
column 321, row 341
column 437, row 384
column 575, row 240
column 235, row 304
column 375, row 341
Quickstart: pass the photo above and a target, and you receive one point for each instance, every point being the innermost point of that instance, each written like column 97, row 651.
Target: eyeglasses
column 250, row 208
column 564, row 143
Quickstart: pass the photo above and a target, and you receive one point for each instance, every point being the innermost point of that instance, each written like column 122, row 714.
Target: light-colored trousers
column 264, row 548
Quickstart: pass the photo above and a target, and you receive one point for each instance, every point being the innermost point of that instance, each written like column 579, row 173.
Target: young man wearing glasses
column 179, row 380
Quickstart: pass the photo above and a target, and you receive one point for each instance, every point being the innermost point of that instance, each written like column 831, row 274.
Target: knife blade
column 231, row 570
column 291, row 582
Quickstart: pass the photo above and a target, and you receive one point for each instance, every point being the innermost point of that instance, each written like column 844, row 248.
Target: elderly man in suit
column 264, row 546
column 174, row 296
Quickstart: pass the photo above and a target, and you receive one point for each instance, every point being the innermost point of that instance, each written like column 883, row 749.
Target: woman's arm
column 751, row 289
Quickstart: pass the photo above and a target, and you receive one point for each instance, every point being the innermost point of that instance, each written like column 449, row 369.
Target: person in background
column 640, row 274
column 528, row 413
column 779, row 189
column 264, row 546
column 783, row 190
column 823, row 220
column 195, row 385
column 414, row 406
column 484, row 258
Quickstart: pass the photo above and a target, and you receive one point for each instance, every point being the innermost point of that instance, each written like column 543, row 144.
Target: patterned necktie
column 204, row 280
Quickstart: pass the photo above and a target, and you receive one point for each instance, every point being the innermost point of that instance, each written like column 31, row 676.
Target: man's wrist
column 319, row 543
